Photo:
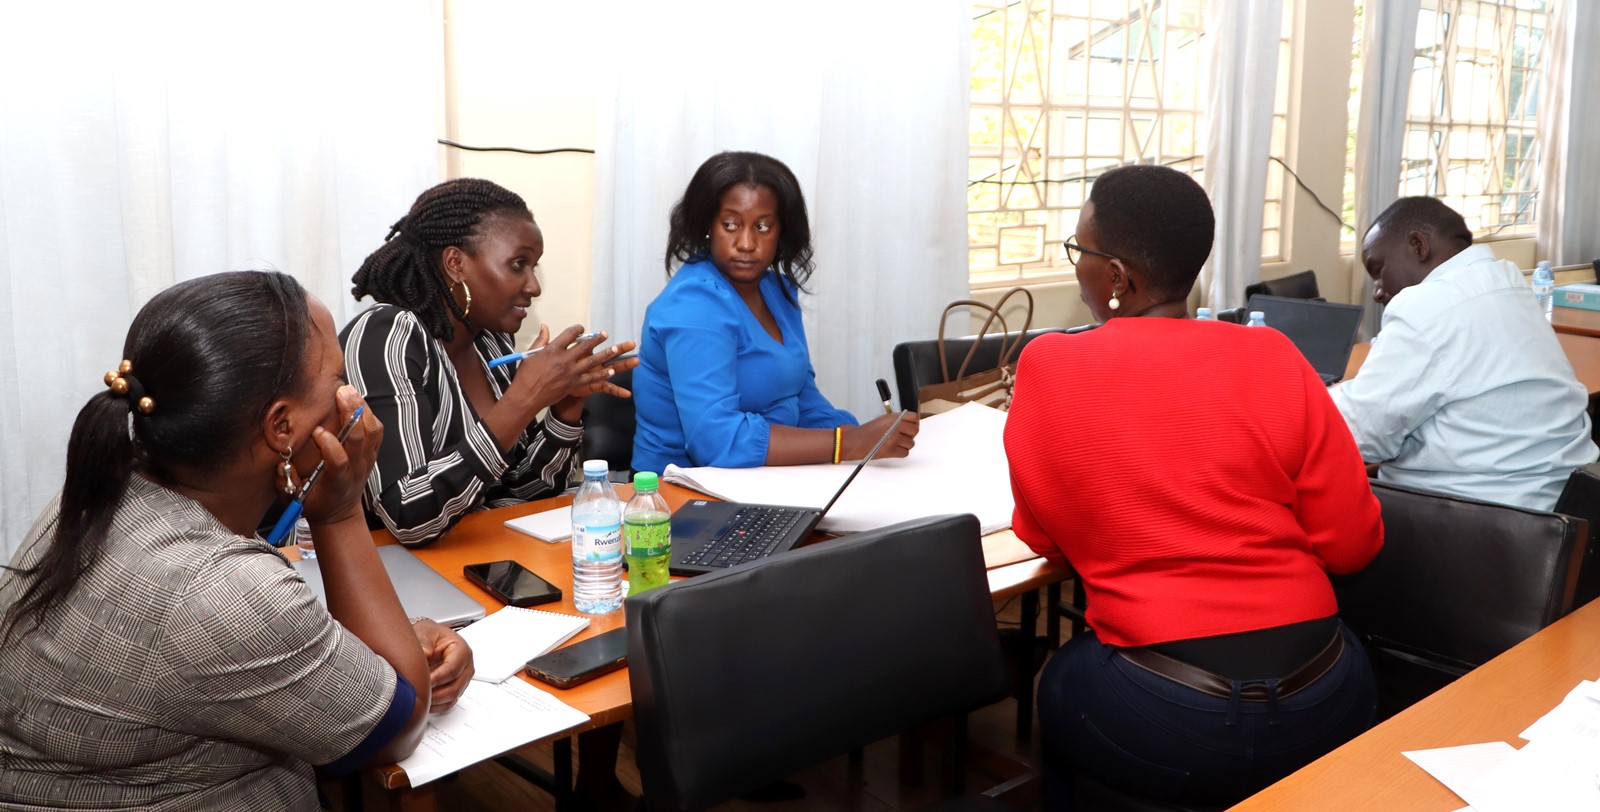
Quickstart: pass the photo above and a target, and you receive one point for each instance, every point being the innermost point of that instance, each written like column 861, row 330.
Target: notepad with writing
column 502, row 642
column 487, row 720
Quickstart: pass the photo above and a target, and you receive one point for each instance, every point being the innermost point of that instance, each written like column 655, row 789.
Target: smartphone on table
column 582, row 661
column 512, row 583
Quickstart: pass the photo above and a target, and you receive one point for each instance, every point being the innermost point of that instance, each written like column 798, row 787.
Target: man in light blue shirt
column 1466, row 389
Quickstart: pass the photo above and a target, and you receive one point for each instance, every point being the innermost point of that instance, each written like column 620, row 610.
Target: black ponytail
column 405, row 271
column 211, row 354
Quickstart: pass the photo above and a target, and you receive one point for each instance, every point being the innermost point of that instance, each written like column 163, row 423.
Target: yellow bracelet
column 838, row 440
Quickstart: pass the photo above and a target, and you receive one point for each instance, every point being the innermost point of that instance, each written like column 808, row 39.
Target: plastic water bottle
column 646, row 535
column 596, row 542
column 1203, row 314
column 1258, row 318
column 1544, row 288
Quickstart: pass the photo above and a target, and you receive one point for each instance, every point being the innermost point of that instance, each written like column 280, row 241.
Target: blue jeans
column 1146, row 735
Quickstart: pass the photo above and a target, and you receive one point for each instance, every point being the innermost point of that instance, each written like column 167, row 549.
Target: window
column 1472, row 119
column 1063, row 90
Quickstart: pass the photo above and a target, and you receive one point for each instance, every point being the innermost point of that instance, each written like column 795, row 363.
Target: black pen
column 291, row 514
column 883, row 392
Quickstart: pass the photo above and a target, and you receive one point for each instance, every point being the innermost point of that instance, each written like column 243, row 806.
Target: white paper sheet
column 488, row 720
column 957, row 466
column 1459, row 768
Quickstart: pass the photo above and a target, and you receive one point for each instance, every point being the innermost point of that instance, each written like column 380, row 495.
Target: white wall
column 515, row 76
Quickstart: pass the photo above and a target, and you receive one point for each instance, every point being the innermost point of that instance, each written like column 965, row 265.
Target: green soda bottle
column 646, row 535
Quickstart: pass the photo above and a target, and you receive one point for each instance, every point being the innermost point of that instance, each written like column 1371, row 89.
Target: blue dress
column 711, row 382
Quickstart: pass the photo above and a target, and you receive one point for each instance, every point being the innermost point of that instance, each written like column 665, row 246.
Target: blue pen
column 518, row 356
column 291, row 514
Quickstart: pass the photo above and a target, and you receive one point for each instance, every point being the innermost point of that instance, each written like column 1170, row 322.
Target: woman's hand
column 336, row 496
column 450, row 666
column 561, row 367
column 858, row 440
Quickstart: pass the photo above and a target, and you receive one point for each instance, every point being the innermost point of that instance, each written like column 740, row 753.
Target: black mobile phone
column 583, row 661
column 512, row 583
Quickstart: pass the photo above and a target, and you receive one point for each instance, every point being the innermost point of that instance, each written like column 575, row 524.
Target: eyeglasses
column 1075, row 252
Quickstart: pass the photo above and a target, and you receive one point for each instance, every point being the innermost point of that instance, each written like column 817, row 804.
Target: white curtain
column 1569, row 135
column 866, row 102
column 1388, row 56
column 146, row 143
column 1242, row 38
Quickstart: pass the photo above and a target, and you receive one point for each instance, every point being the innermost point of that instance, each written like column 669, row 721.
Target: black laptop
column 708, row 535
column 1324, row 331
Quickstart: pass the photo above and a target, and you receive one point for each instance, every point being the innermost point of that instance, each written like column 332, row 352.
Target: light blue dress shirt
column 711, row 382
column 1467, row 390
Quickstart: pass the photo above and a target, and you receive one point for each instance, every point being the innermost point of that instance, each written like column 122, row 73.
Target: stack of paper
column 504, row 641
column 964, row 446
column 1558, row 770
column 550, row 525
column 488, row 720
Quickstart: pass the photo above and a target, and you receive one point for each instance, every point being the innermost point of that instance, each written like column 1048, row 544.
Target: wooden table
column 1583, row 350
column 1576, row 321
column 1494, row 702
column 482, row 536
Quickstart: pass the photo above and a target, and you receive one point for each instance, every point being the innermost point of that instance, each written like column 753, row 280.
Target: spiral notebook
column 506, row 640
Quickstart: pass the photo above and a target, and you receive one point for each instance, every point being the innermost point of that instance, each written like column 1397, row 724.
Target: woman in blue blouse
column 725, row 378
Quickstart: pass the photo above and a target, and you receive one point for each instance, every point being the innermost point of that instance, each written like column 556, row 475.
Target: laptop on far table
column 708, row 536
column 422, row 590
column 1323, row 331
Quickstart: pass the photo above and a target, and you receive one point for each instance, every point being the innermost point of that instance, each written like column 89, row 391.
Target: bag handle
column 1007, row 349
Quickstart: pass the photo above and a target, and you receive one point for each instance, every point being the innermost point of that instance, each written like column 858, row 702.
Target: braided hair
column 407, row 271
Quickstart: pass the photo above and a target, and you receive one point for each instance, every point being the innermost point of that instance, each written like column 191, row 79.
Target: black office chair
column 1458, row 581
column 1302, row 285
column 745, row 676
column 1233, row 315
column 608, row 423
column 916, row 363
column 1581, row 499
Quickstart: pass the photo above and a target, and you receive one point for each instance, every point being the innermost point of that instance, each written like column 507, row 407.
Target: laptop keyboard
column 754, row 532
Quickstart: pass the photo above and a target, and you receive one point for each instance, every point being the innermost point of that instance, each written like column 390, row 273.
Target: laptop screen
column 1323, row 331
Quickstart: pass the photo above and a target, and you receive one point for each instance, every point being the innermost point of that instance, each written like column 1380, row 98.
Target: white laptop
column 423, row 591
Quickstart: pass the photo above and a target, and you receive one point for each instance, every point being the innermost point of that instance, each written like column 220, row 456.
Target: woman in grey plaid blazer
column 154, row 652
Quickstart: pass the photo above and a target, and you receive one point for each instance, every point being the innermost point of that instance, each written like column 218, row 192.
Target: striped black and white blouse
column 438, row 460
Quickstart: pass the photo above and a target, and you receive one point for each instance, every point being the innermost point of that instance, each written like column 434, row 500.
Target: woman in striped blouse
column 453, row 281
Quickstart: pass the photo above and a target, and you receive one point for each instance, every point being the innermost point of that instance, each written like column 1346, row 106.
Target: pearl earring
column 1114, row 303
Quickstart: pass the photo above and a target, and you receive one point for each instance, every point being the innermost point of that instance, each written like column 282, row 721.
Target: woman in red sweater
column 1201, row 482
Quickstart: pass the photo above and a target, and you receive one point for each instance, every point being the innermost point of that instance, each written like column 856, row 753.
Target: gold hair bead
column 120, row 386
column 125, row 367
column 146, row 405
column 111, row 377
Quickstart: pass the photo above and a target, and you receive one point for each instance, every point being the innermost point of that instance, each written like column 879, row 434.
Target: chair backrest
column 744, row 676
column 608, row 423
column 1302, row 285
column 1458, row 581
column 916, row 363
column 1581, row 499
column 1233, row 315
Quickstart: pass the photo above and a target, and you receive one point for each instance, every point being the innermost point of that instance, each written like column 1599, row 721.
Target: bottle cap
column 1202, row 312
column 1258, row 315
column 595, row 468
column 644, row 481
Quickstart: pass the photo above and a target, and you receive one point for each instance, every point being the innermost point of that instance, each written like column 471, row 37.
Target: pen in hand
column 883, row 392
column 518, row 356
column 291, row 514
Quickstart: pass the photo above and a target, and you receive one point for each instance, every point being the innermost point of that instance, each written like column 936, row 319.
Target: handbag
column 990, row 387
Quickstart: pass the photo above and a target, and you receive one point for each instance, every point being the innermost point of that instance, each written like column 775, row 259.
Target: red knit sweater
column 1195, row 474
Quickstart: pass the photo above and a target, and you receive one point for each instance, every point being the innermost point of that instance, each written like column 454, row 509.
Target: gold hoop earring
column 288, row 471
column 467, row 293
